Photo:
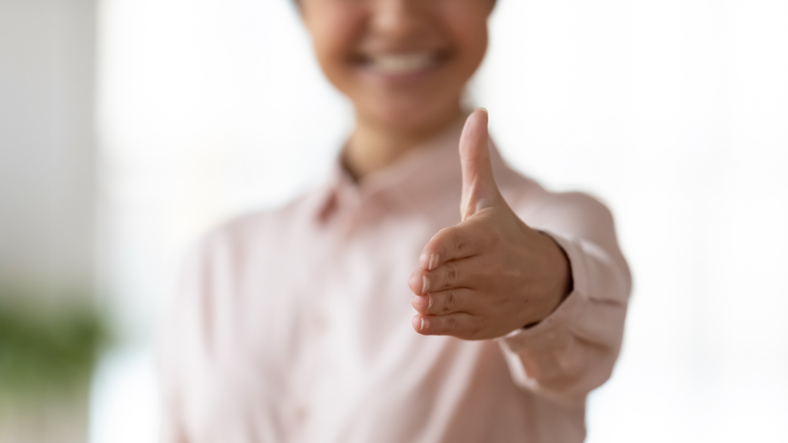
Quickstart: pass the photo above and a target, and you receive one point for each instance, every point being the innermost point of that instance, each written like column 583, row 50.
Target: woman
column 294, row 324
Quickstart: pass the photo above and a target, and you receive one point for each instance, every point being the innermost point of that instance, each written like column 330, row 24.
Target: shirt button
column 300, row 415
column 319, row 322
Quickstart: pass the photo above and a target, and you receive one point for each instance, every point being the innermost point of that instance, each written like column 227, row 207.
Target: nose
column 398, row 18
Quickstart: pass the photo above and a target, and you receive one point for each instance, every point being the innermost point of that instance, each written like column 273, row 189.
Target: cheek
column 469, row 31
column 334, row 28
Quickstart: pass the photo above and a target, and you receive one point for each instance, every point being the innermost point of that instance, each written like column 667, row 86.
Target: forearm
column 573, row 350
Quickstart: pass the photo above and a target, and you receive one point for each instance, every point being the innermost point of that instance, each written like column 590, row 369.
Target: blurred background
column 129, row 127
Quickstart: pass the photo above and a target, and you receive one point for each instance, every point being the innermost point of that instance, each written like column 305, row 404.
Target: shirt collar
column 426, row 171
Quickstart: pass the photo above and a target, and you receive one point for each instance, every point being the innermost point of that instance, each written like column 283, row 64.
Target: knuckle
column 474, row 330
column 476, row 333
column 457, row 243
column 450, row 302
column 444, row 235
column 451, row 323
column 451, row 273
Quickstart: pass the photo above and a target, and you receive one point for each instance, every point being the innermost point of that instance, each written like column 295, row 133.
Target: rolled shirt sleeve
column 574, row 349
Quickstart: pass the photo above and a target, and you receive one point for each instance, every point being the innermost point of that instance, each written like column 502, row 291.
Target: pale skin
column 404, row 65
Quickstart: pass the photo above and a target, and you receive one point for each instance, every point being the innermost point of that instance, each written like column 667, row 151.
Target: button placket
column 319, row 321
column 304, row 375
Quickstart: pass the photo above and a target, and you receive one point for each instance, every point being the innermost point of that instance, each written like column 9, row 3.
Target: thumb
column 478, row 184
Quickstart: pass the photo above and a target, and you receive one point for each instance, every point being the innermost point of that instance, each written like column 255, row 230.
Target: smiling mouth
column 402, row 64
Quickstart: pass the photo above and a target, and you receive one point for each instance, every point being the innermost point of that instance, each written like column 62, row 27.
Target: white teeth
column 402, row 63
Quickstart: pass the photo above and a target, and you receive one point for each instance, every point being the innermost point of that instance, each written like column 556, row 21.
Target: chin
column 408, row 122
column 413, row 117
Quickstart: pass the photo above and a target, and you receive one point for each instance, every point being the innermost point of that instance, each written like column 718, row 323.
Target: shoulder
column 231, row 263
column 242, row 234
column 224, row 257
column 219, row 278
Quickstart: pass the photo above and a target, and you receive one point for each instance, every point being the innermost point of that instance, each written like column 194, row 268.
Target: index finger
column 450, row 244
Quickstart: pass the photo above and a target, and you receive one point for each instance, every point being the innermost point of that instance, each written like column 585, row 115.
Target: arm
column 572, row 351
column 498, row 271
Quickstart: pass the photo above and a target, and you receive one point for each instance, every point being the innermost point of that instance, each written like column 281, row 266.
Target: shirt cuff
column 552, row 330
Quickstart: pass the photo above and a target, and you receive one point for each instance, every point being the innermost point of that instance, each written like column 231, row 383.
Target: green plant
column 46, row 351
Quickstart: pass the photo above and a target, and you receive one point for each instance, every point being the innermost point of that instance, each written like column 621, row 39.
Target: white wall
column 676, row 114
column 47, row 148
column 673, row 112
column 206, row 109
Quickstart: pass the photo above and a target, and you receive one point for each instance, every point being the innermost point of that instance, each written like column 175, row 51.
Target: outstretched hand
column 490, row 274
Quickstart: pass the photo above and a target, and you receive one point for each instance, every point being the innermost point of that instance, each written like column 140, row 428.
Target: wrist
column 559, row 282
column 564, row 280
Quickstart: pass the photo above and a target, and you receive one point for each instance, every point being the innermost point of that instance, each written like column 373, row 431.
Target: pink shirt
column 294, row 325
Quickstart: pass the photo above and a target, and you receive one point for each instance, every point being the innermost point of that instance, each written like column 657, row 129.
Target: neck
column 373, row 146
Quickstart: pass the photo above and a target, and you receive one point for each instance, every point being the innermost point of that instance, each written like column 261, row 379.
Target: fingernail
column 425, row 284
column 483, row 110
column 418, row 303
column 433, row 261
column 421, row 328
column 429, row 302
